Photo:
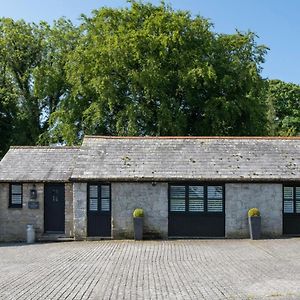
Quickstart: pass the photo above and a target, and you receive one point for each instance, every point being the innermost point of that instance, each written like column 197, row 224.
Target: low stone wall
column 13, row 221
column 240, row 197
column 152, row 198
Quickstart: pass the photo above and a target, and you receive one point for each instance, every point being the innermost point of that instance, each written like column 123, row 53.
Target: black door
column 54, row 208
column 291, row 210
column 99, row 210
column 196, row 211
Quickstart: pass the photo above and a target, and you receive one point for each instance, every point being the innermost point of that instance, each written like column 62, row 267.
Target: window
column 93, row 197
column 15, row 196
column 197, row 198
column 214, row 198
column 99, row 198
column 177, row 194
column 291, row 199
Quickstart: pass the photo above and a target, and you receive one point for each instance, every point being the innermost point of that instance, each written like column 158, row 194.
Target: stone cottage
column 187, row 186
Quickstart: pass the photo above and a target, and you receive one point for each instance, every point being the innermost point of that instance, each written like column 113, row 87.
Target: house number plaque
column 33, row 205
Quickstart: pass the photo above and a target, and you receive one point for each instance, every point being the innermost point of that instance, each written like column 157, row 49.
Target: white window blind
column 105, row 196
column 93, row 197
column 196, row 198
column 288, row 197
column 215, row 199
column 16, row 194
column 297, row 200
column 177, row 198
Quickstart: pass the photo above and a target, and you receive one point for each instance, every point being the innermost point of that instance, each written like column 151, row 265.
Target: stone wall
column 80, row 210
column 240, row 197
column 152, row 198
column 69, row 226
column 13, row 221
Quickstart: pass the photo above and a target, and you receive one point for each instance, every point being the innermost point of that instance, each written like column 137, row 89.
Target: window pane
column 105, row 191
column 196, row 198
column 196, row 205
column 298, row 193
column 105, row 205
column 214, row 192
column 215, row 199
column 288, row 192
column 288, row 207
column 16, row 189
column 214, row 205
column 93, row 191
column 298, row 206
column 93, row 204
column 177, row 204
column 16, row 199
column 288, row 196
column 93, row 200
column 177, row 192
column 196, row 192
column 177, row 198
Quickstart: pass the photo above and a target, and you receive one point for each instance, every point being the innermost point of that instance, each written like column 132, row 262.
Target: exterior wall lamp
column 33, row 193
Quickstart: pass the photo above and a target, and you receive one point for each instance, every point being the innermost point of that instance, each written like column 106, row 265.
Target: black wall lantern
column 33, row 193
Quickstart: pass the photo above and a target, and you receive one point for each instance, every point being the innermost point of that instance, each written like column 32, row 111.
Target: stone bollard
column 30, row 234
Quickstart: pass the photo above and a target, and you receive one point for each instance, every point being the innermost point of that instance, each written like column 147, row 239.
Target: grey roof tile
column 183, row 158
column 38, row 164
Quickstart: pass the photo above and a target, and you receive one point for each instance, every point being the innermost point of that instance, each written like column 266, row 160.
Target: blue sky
column 276, row 22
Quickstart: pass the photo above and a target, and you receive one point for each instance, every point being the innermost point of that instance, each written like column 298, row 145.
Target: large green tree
column 284, row 108
column 20, row 49
column 152, row 70
column 8, row 110
column 32, row 59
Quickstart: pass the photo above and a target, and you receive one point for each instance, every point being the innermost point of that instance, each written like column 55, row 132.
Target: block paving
column 170, row 269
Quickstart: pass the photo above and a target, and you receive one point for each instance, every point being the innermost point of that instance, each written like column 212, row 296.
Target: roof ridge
column 45, row 147
column 197, row 137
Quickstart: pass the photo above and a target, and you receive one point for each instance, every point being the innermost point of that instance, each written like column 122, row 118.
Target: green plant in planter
column 138, row 223
column 138, row 213
column 254, row 223
column 253, row 212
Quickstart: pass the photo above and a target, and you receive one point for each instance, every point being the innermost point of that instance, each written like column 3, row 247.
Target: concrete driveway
column 185, row 269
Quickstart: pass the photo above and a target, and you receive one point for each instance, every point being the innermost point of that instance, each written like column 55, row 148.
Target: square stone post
column 80, row 210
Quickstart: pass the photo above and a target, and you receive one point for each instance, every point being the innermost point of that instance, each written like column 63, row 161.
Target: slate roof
column 38, row 164
column 188, row 158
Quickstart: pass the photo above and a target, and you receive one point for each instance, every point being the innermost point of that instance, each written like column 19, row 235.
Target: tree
column 8, row 110
column 150, row 70
column 284, row 102
column 51, row 85
column 33, row 58
column 20, row 49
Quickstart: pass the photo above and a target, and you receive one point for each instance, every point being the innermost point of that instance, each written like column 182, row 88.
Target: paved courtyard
column 184, row 269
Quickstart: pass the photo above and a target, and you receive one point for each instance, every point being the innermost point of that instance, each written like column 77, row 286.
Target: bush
column 253, row 212
column 138, row 213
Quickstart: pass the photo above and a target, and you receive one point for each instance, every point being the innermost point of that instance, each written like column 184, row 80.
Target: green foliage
column 150, row 70
column 284, row 102
column 138, row 213
column 253, row 212
column 32, row 59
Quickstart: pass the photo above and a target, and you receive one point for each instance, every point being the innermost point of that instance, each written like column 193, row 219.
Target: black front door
column 54, row 208
column 196, row 210
column 99, row 210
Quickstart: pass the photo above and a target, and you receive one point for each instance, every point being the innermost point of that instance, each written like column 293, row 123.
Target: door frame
column 64, row 195
column 106, row 213
column 204, row 214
